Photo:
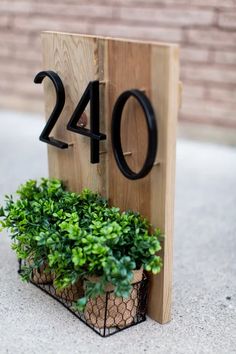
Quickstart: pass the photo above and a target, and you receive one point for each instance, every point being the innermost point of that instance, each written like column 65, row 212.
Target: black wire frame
column 105, row 331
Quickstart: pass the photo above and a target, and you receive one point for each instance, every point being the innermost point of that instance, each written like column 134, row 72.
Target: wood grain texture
column 128, row 68
column 76, row 61
column 165, row 99
column 122, row 65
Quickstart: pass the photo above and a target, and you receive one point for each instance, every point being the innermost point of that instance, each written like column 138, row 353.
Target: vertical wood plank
column 76, row 61
column 164, row 96
column 154, row 69
column 128, row 67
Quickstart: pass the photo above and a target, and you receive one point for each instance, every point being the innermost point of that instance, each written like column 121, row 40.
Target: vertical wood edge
column 168, row 74
column 173, row 108
column 180, row 94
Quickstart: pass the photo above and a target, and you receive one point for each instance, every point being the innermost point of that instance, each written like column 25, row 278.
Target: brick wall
column 205, row 29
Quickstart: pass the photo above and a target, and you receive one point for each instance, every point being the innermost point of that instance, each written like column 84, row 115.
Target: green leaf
column 80, row 304
column 2, row 212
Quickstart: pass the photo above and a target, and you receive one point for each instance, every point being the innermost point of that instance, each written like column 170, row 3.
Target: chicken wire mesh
column 106, row 314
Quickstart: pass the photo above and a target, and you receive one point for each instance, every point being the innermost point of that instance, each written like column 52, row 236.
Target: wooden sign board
column 120, row 65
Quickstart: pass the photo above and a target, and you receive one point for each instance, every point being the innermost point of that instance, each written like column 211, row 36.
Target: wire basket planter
column 106, row 314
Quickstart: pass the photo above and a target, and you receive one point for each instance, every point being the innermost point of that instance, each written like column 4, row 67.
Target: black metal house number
column 91, row 94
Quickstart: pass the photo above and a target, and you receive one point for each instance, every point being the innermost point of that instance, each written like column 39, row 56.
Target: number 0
column 116, row 134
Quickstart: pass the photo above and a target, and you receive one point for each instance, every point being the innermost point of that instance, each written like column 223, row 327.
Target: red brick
column 5, row 21
column 194, row 91
column 174, row 3
column 15, row 7
column 45, row 23
column 11, row 68
column 167, row 16
column 10, row 38
column 225, row 57
column 201, row 110
column 212, row 3
column 29, row 88
column 194, row 54
column 5, row 52
column 222, row 94
column 30, row 55
column 227, row 20
column 213, row 38
column 211, row 74
column 73, row 10
column 58, row 9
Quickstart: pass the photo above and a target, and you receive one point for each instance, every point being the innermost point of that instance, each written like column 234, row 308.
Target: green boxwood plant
column 79, row 236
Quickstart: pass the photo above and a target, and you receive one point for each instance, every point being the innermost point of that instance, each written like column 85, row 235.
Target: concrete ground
column 204, row 296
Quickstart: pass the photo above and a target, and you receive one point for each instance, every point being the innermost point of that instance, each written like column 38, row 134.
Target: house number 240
column 91, row 94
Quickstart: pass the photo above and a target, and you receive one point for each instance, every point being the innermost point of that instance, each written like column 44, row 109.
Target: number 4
column 90, row 94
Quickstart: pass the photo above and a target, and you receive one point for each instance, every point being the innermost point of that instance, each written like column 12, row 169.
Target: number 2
column 90, row 94
column 60, row 101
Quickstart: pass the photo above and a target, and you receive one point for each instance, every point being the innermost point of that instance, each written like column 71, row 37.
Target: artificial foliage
column 78, row 236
